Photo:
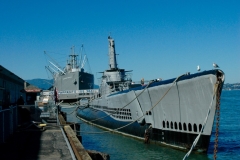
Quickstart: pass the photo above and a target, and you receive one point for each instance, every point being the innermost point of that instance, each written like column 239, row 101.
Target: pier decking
column 50, row 141
column 35, row 143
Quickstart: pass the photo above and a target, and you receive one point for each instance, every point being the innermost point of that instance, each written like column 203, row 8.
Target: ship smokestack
column 112, row 54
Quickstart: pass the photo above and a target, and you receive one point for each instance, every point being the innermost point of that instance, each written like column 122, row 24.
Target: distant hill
column 45, row 83
column 233, row 86
column 41, row 83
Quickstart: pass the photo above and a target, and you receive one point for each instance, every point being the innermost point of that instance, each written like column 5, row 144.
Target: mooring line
column 204, row 123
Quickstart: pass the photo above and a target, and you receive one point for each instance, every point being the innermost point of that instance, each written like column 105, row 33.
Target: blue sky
column 153, row 38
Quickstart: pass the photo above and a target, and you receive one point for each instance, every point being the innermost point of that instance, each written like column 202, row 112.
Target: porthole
column 184, row 126
column 150, row 113
column 195, row 127
column 200, row 127
column 167, row 124
column 189, row 127
column 180, row 126
column 171, row 125
column 175, row 125
column 163, row 123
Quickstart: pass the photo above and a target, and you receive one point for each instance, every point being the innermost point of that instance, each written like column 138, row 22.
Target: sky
column 154, row 38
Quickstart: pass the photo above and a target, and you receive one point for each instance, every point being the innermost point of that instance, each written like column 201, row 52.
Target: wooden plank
column 79, row 151
column 61, row 119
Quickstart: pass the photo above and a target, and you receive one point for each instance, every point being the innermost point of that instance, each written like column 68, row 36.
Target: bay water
column 120, row 147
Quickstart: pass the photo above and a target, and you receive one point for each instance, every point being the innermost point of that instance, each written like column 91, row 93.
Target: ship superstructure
column 114, row 79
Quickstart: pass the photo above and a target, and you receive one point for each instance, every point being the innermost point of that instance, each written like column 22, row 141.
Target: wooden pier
column 34, row 140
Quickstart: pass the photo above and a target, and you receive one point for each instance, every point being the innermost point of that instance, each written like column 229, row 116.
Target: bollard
column 79, row 138
column 77, row 126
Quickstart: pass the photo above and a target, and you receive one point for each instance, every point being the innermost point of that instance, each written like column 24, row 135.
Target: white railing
column 8, row 122
column 84, row 91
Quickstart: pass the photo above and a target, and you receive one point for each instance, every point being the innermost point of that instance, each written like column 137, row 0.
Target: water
column 121, row 147
column 229, row 135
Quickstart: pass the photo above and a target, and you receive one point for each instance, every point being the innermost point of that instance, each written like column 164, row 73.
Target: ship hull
column 177, row 140
column 175, row 111
column 69, row 85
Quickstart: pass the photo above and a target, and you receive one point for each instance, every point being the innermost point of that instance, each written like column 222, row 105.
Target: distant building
column 11, row 88
column 31, row 93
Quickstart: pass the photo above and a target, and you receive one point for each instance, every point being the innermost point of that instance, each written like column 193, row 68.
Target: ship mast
column 112, row 54
column 73, row 59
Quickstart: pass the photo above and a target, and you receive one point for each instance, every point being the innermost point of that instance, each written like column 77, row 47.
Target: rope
column 72, row 111
column 112, row 130
column 204, row 123
column 80, row 107
column 76, row 109
column 59, row 103
column 125, row 105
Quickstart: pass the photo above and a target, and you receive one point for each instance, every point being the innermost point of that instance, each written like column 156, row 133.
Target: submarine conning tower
column 112, row 54
column 114, row 74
